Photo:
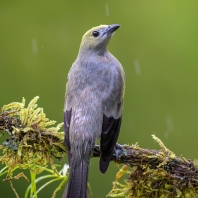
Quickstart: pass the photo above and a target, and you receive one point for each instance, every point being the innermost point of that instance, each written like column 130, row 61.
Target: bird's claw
column 118, row 150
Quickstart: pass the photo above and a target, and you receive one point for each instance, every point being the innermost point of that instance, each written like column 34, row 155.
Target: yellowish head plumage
column 97, row 38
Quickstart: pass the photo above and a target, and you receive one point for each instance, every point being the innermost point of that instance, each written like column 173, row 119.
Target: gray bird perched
column 93, row 107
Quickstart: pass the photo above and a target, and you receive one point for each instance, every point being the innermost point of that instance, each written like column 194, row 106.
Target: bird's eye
column 95, row 33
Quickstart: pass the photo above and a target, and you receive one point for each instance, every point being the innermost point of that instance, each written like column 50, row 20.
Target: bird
column 93, row 107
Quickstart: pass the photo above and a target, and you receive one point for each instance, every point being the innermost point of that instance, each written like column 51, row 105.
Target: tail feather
column 104, row 163
column 77, row 184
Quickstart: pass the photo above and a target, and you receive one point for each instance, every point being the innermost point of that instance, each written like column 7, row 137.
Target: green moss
column 31, row 140
column 156, row 174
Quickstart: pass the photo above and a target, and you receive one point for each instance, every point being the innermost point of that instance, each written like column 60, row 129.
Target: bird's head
column 96, row 39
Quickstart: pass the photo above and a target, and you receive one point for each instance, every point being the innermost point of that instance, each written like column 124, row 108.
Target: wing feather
column 109, row 136
column 67, row 119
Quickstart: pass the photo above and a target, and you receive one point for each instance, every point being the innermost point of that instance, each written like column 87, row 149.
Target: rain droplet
column 137, row 67
column 169, row 123
column 166, row 134
column 34, row 46
column 107, row 9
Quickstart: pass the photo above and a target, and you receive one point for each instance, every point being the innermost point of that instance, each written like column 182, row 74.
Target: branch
column 31, row 141
column 150, row 173
column 153, row 173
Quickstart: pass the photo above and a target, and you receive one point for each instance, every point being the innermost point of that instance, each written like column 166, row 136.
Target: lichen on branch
column 31, row 141
column 153, row 173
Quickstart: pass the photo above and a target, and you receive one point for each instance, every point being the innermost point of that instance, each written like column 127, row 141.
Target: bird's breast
column 99, row 81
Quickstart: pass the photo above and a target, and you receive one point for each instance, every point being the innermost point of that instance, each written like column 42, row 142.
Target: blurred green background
column 157, row 45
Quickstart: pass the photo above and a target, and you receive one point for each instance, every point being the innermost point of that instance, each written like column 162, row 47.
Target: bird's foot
column 119, row 150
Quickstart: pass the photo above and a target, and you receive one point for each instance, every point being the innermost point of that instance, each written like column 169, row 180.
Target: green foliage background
column 157, row 44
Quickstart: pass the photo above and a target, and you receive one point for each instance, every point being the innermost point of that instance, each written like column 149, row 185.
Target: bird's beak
column 112, row 28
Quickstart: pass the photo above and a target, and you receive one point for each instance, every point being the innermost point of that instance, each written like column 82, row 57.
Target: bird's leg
column 119, row 150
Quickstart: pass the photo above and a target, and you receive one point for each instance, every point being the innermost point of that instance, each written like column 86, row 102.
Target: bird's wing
column 67, row 119
column 109, row 136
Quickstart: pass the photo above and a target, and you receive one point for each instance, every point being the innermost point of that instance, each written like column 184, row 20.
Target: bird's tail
column 77, row 184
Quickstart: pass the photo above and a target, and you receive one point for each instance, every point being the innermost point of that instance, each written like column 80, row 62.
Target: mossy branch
column 153, row 173
column 31, row 141
column 150, row 173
